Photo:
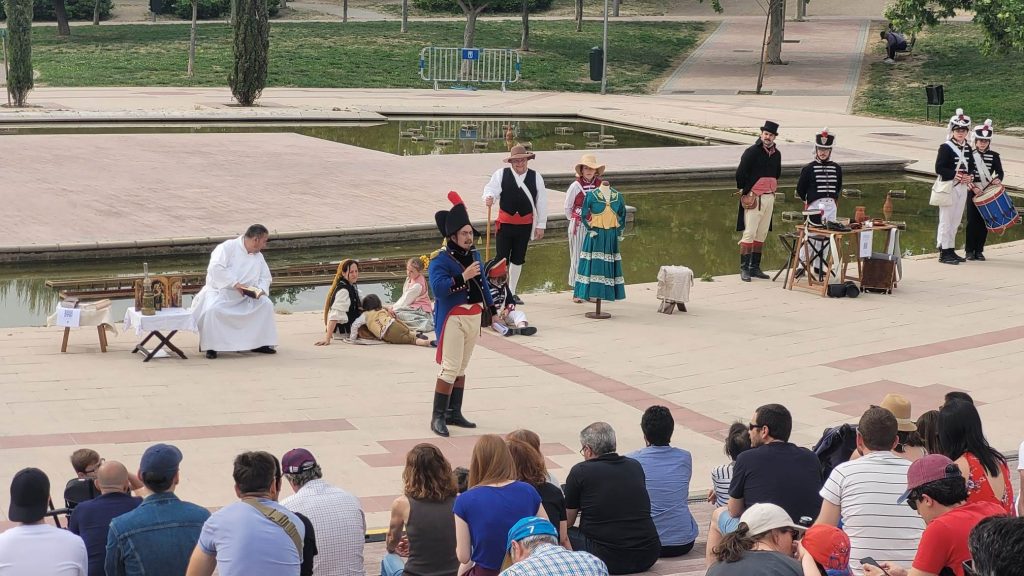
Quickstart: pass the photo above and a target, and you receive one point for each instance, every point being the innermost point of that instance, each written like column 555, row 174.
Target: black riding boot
column 947, row 256
column 437, row 417
column 454, row 415
column 745, row 267
column 755, row 266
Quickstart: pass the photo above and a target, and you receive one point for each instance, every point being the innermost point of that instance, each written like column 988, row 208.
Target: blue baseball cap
column 530, row 526
column 161, row 459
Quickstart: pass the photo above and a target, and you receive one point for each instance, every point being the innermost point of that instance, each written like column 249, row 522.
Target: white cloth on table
column 227, row 320
column 166, row 320
column 674, row 283
column 829, row 211
column 90, row 317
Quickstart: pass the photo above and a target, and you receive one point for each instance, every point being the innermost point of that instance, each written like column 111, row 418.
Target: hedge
column 42, row 10
column 211, row 9
column 451, row 6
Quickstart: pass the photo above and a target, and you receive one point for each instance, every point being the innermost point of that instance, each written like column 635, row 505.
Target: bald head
column 112, row 477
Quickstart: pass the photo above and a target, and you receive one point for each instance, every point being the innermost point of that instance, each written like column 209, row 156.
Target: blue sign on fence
column 470, row 53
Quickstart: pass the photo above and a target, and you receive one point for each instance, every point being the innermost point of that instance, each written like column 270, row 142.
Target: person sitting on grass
column 509, row 321
column 376, row 323
column 894, row 42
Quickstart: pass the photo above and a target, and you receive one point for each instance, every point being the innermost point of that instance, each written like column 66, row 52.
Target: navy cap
column 30, row 493
column 160, row 459
column 530, row 526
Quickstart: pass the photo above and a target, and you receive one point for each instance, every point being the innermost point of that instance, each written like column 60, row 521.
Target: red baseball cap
column 830, row 547
column 928, row 469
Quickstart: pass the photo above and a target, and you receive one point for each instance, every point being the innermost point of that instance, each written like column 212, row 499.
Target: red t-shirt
column 944, row 542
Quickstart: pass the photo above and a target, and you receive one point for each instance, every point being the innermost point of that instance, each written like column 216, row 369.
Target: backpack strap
column 279, row 518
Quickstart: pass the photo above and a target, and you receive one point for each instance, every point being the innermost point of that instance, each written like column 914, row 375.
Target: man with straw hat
column 588, row 177
column 522, row 211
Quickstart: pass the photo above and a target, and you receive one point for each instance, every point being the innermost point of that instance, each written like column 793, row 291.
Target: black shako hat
column 770, row 126
column 823, row 139
column 449, row 222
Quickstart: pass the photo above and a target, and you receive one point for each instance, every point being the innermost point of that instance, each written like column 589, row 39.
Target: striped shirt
column 866, row 491
column 720, row 479
column 339, row 524
column 553, row 560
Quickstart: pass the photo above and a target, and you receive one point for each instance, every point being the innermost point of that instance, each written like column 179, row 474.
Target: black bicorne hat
column 449, row 222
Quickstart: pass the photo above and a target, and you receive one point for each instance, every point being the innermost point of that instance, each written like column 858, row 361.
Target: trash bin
column 156, row 6
column 935, row 95
column 596, row 63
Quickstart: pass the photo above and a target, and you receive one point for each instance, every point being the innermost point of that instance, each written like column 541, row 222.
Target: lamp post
column 604, row 52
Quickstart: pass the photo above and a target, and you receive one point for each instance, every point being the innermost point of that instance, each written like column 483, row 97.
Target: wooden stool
column 101, row 331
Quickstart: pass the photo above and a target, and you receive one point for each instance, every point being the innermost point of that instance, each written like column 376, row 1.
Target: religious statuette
column 148, row 305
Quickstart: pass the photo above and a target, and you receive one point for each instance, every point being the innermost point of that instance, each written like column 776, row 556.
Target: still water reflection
column 675, row 224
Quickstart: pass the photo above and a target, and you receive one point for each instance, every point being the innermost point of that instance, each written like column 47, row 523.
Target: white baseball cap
column 761, row 518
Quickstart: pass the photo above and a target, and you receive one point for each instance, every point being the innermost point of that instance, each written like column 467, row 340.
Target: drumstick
column 487, row 242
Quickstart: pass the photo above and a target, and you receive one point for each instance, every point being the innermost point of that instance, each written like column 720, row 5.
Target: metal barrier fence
column 482, row 65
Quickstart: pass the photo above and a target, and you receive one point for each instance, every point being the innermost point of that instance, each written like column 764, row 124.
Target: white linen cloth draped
column 227, row 320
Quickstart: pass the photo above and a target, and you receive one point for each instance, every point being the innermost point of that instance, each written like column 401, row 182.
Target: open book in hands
column 252, row 291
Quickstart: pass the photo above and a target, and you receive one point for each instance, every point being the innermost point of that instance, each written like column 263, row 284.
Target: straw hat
column 519, row 152
column 590, row 161
column 900, row 408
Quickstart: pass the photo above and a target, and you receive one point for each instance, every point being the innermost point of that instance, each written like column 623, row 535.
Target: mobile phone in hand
column 873, row 562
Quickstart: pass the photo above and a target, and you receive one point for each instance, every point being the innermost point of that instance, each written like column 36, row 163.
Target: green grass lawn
column 950, row 54
column 357, row 55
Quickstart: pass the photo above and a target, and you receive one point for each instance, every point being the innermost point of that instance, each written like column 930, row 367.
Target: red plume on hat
column 449, row 222
column 824, row 139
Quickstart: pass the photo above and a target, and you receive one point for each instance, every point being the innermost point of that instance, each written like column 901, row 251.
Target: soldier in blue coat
column 461, row 295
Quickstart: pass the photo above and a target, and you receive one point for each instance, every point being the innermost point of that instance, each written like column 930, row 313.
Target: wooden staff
column 487, row 241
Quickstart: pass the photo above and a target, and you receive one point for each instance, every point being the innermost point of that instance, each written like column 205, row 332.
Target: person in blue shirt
column 667, row 472
column 91, row 519
column 159, row 535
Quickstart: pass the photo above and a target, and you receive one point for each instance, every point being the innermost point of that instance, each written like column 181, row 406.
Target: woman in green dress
column 599, row 272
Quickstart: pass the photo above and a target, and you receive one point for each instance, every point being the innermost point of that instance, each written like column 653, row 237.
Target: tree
column 472, row 9
column 579, row 15
column 344, row 10
column 248, row 77
column 19, row 30
column 405, row 16
column 1001, row 20
column 192, row 39
column 61, row 14
column 777, row 30
column 96, row 13
column 524, row 43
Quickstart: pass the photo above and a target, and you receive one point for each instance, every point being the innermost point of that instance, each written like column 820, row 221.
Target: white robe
column 227, row 320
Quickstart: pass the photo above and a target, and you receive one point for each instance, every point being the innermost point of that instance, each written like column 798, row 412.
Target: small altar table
column 840, row 250
column 169, row 320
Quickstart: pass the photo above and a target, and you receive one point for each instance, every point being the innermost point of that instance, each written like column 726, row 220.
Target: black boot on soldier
column 947, row 256
column 745, row 267
column 437, row 417
column 453, row 415
column 755, row 266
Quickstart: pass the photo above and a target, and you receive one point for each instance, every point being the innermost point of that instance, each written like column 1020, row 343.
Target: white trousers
column 829, row 210
column 576, row 233
column 756, row 222
column 460, row 334
column 949, row 218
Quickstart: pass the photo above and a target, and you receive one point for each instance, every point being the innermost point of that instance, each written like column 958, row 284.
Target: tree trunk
column 615, row 8
column 19, row 30
column 344, row 10
column 405, row 16
column 63, row 28
column 579, row 15
column 469, row 35
column 524, row 44
column 777, row 31
column 96, row 13
column 192, row 39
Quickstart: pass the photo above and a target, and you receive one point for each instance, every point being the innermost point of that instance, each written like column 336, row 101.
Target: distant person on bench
column 894, row 42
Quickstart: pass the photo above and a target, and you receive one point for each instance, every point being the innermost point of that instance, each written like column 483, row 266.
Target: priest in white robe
column 233, row 310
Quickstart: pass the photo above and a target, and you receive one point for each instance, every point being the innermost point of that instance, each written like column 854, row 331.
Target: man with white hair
column 533, row 550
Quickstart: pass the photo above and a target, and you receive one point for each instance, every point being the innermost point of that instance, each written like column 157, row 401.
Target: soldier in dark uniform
column 992, row 172
column 820, row 183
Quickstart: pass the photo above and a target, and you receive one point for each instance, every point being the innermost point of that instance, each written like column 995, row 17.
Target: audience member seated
column 159, row 535
column 533, row 550
column 610, row 493
column 86, row 462
column 997, row 547
column 336, row 515
column 91, row 519
column 530, row 468
column 667, row 472
column 414, row 307
column 825, row 551
column 531, row 438
column 928, row 431
column 424, row 513
column 910, row 445
column 737, row 442
column 862, row 494
column 938, row 492
column 31, row 547
column 894, row 42
column 494, row 502
column 245, row 537
column 962, row 441
column 343, row 303
column 462, row 478
column 956, row 395
column 773, row 470
column 376, row 323
column 762, row 543
column 509, row 321
column 1020, row 483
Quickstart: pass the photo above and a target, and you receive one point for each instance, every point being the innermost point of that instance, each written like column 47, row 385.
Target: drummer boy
column 991, row 174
